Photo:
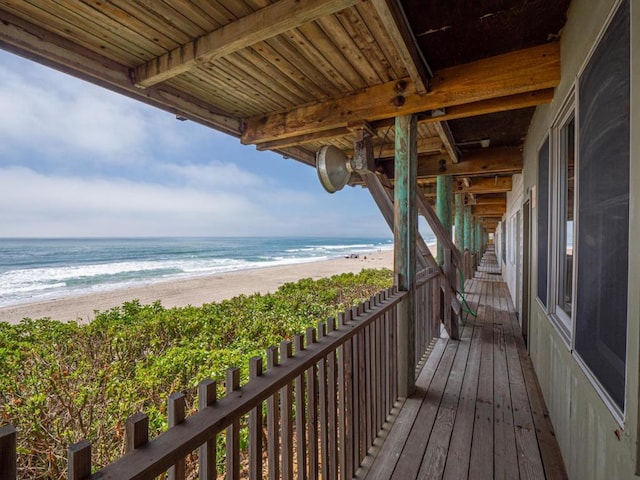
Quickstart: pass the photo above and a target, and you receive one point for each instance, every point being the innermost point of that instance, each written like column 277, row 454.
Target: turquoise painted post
column 404, row 233
column 459, row 221
column 467, row 227
column 444, row 199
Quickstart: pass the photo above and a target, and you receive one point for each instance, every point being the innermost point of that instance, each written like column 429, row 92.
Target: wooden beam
column 512, row 73
column 488, row 161
column 502, row 104
column 35, row 43
column 395, row 23
column 386, row 150
column 489, row 210
column 444, row 132
column 490, row 199
column 260, row 25
column 495, row 184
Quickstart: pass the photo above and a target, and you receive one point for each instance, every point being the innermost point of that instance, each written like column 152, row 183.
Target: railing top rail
column 158, row 455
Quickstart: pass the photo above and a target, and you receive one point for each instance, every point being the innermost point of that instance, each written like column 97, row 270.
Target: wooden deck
column 477, row 412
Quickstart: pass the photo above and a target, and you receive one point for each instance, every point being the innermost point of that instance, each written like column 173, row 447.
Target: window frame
column 564, row 323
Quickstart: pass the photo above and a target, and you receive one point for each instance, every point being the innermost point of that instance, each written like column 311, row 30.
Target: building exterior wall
column 595, row 442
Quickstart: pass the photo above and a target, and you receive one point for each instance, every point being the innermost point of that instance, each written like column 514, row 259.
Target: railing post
column 255, row 426
column 233, row 431
column 405, row 234
column 286, row 422
column 79, row 461
column 273, row 445
column 136, row 431
column 176, row 413
column 8, row 452
column 207, row 454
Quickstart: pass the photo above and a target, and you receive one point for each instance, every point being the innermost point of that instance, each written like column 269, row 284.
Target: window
column 583, row 175
column 603, row 209
column 543, row 220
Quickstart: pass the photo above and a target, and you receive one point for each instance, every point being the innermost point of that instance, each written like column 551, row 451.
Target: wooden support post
column 459, row 199
column 444, row 200
column 404, row 232
column 467, row 240
column 8, row 455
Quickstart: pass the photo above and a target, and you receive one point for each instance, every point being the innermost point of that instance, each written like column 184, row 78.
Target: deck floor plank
column 477, row 412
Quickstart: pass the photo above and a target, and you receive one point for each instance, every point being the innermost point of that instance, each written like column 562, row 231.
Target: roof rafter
column 260, row 25
column 395, row 22
column 512, row 73
column 34, row 42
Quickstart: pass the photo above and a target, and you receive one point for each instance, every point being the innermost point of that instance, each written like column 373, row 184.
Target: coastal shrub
column 62, row 382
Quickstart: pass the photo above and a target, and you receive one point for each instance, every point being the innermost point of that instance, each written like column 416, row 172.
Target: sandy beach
column 194, row 291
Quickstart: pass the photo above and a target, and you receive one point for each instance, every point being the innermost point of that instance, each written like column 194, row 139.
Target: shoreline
column 193, row 291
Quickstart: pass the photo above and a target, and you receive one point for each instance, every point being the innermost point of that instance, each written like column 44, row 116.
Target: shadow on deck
column 477, row 412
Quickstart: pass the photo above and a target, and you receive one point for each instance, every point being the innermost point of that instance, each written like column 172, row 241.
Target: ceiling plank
column 512, row 73
column 260, row 25
column 395, row 22
column 35, row 43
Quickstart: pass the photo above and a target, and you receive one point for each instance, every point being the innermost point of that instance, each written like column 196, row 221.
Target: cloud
column 213, row 175
column 33, row 204
column 56, row 116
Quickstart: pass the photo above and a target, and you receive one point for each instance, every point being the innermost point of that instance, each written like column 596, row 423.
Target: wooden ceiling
column 294, row 75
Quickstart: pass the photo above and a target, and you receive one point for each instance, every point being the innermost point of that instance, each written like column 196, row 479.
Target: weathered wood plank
column 265, row 23
column 395, row 22
column 419, row 436
column 435, row 455
column 481, row 465
column 36, row 43
column 505, row 454
column 513, row 73
column 533, row 428
column 286, row 418
column 273, row 422
column 395, row 441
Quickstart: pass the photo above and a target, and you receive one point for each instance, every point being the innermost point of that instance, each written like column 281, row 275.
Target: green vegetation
column 62, row 382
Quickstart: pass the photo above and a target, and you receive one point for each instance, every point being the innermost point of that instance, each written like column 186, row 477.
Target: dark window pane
column 567, row 175
column 603, row 208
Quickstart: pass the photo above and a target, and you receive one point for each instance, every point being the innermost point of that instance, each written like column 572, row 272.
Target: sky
column 77, row 160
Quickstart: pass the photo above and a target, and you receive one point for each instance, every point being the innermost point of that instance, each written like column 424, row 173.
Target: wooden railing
column 314, row 412
column 427, row 311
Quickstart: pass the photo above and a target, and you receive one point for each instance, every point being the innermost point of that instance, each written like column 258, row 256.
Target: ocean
column 33, row 270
